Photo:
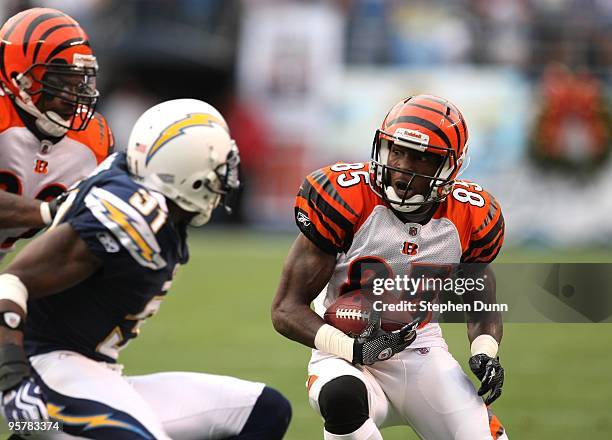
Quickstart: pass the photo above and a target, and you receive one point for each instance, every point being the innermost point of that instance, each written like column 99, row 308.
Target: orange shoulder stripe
column 97, row 137
column 8, row 115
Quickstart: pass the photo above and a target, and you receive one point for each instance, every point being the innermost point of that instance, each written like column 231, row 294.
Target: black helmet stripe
column 46, row 35
column 464, row 126
column 66, row 45
column 5, row 38
column 35, row 23
column 440, row 101
column 423, row 123
column 453, row 123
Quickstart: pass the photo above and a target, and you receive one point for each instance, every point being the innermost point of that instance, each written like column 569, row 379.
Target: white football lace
column 351, row 314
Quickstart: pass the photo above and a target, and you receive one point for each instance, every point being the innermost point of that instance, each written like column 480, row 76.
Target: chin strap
column 44, row 121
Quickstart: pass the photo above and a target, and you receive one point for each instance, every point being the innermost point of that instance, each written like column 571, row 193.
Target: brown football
column 351, row 311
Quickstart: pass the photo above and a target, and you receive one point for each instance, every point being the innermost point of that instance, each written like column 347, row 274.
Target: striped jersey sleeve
column 486, row 234
column 327, row 206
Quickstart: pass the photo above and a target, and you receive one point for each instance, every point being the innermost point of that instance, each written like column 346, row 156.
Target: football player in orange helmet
column 50, row 135
column 404, row 214
column 428, row 135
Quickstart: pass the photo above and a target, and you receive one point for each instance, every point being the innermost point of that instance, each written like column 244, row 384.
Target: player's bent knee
column 343, row 402
column 269, row 418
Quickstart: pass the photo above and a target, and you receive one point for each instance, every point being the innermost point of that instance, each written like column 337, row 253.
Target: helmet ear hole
column 197, row 184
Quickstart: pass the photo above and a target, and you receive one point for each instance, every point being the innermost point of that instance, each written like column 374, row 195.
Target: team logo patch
column 41, row 166
column 409, row 248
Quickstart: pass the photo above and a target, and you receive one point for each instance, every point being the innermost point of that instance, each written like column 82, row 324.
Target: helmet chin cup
column 49, row 124
column 204, row 215
column 409, row 205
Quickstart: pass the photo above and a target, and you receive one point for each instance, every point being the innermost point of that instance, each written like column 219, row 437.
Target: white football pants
column 424, row 388
column 93, row 400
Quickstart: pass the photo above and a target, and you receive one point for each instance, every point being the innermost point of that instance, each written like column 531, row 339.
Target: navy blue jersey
column 127, row 227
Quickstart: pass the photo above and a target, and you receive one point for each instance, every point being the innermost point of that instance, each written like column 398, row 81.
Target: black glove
column 14, row 366
column 22, row 399
column 491, row 375
column 48, row 210
column 375, row 345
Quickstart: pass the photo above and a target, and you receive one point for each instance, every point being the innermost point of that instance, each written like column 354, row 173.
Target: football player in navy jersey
column 120, row 237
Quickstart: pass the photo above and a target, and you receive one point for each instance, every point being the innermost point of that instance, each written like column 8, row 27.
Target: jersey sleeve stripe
column 475, row 253
column 489, row 254
column 322, row 180
column 493, row 209
column 334, row 231
column 316, row 230
column 318, row 220
column 323, row 206
column 491, row 233
column 479, row 247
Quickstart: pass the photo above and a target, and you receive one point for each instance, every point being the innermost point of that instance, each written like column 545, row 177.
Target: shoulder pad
column 330, row 204
column 128, row 221
column 8, row 115
column 97, row 137
column 479, row 220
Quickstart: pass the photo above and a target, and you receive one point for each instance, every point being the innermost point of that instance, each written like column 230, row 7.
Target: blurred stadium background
column 305, row 83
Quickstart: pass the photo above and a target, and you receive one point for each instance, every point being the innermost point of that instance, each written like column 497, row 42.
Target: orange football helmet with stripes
column 424, row 123
column 45, row 55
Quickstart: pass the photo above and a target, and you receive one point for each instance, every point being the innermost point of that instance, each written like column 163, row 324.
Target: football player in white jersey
column 121, row 235
column 50, row 134
column 403, row 211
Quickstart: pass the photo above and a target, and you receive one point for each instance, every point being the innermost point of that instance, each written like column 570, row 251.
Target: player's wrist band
column 13, row 289
column 331, row 340
column 45, row 213
column 484, row 344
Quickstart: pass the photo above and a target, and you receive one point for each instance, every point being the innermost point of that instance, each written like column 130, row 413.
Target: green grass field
column 217, row 320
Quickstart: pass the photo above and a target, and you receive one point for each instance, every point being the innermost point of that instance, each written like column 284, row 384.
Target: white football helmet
column 182, row 148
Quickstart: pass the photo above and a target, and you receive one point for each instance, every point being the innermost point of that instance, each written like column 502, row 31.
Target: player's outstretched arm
column 485, row 330
column 52, row 262
column 21, row 212
column 306, row 271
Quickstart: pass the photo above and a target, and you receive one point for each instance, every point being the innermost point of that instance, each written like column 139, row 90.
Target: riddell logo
column 417, row 140
column 410, row 248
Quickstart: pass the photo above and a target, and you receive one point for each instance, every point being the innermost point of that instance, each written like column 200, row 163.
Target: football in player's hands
column 351, row 311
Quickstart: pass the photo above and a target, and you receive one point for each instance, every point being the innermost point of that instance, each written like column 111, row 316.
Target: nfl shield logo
column 413, row 231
